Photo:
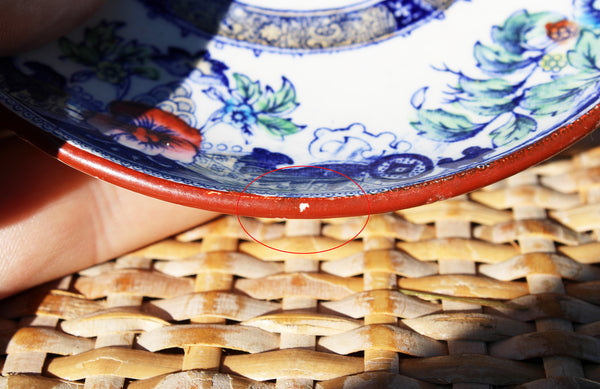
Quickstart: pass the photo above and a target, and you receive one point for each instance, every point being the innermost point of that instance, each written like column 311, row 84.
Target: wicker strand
column 498, row 288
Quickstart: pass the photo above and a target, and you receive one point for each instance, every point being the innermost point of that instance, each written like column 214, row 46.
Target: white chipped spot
column 303, row 206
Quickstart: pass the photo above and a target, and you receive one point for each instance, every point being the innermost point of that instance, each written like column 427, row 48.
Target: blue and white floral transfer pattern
column 218, row 113
column 506, row 99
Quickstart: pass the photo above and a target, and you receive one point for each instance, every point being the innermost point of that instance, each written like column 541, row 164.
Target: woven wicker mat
column 500, row 288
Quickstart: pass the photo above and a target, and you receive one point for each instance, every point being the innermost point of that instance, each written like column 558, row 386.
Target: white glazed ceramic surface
column 389, row 93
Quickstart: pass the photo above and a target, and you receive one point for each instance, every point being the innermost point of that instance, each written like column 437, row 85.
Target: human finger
column 27, row 24
column 55, row 220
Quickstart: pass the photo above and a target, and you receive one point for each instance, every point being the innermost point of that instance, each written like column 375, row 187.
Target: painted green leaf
column 488, row 106
column 248, row 89
column 102, row 37
column 521, row 31
column 78, row 53
column 282, row 101
column 277, row 126
column 560, row 94
column 510, row 34
column 516, row 128
column 135, row 54
column 490, row 88
column 586, row 54
column 485, row 97
column 147, row 72
column 497, row 61
column 98, row 42
column 66, row 47
column 440, row 125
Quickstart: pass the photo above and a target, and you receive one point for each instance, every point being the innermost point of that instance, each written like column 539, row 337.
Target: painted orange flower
column 149, row 130
column 561, row 30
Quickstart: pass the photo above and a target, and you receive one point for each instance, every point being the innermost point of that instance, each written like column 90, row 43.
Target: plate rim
column 76, row 153
column 252, row 205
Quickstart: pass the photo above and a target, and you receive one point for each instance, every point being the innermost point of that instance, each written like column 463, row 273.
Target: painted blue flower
column 249, row 107
column 239, row 115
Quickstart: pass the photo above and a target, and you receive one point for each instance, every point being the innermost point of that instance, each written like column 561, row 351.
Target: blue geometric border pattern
column 277, row 30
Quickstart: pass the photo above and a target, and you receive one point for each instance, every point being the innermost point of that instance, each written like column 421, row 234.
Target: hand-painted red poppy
column 149, row 130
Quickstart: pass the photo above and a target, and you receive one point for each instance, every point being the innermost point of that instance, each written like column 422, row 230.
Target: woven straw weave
column 500, row 288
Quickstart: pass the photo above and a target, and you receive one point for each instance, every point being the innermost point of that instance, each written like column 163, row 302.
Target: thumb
column 56, row 220
column 27, row 24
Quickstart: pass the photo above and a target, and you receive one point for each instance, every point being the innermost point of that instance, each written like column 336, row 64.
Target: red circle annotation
column 302, row 206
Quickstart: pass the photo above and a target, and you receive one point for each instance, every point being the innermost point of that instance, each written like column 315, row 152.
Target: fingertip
column 28, row 24
column 57, row 221
column 126, row 220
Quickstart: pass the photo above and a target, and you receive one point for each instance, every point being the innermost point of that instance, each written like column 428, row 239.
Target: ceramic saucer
column 311, row 111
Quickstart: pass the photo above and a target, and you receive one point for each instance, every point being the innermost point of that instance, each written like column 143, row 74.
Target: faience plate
column 309, row 110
